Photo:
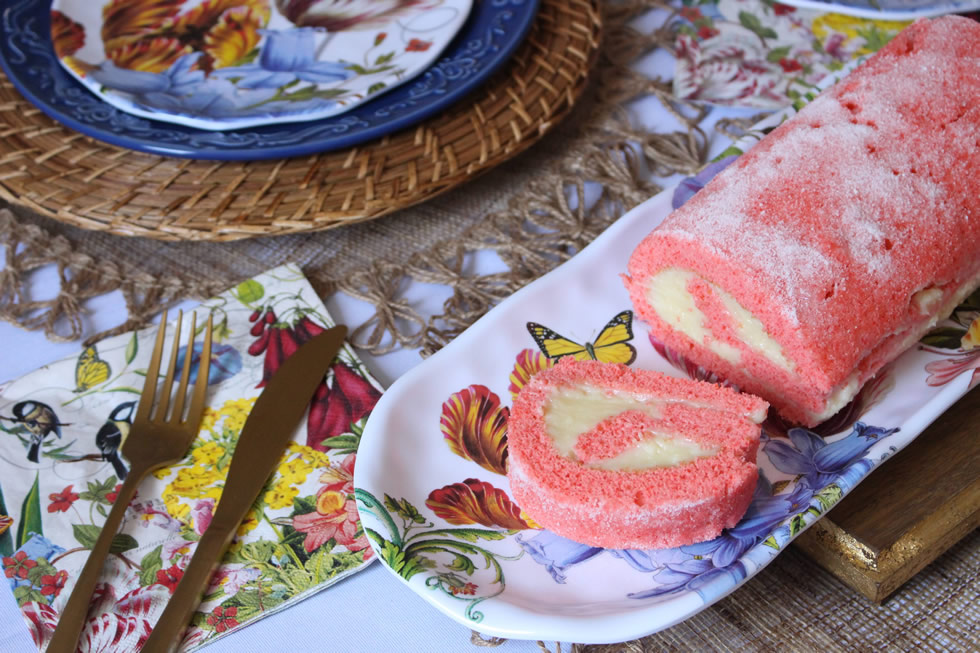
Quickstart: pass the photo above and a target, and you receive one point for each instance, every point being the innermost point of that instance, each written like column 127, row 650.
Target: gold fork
column 155, row 441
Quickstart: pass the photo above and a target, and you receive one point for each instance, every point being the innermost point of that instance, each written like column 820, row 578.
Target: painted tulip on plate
column 67, row 36
column 476, row 502
column 474, row 425
column 339, row 15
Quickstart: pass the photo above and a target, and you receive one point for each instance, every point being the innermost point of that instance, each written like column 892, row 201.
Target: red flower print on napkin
column 52, row 584
column 169, row 577
column 17, row 566
column 277, row 340
column 333, row 410
column 222, row 619
column 112, row 496
column 61, row 501
column 336, row 512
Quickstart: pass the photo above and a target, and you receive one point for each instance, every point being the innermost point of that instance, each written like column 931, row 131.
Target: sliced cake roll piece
column 837, row 241
column 620, row 458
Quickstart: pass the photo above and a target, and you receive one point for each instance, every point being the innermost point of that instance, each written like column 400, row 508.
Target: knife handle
column 168, row 631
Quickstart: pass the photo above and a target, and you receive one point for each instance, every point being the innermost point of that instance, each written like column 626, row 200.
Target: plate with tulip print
column 230, row 64
column 29, row 54
column 431, row 481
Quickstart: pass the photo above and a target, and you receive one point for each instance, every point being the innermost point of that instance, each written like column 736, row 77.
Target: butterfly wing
column 555, row 345
column 90, row 370
column 612, row 345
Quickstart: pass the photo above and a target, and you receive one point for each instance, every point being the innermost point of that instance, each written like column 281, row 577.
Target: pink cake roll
column 837, row 241
column 620, row 458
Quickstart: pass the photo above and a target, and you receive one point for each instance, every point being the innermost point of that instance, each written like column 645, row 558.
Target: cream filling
column 839, row 398
column 668, row 295
column 658, row 450
column 926, row 301
column 572, row 412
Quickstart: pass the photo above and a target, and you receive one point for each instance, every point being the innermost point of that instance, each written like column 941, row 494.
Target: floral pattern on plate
column 434, row 498
column 228, row 64
column 485, row 43
column 60, row 471
column 759, row 53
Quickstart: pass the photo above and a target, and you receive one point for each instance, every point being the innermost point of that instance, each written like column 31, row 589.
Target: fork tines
column 146, row 404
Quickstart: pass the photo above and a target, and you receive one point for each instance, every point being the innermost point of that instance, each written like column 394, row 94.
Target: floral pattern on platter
column 531, row 583
column 763, row 54
column 958, row 342
column 227, row 64
column 302, row 535
column 816, row 473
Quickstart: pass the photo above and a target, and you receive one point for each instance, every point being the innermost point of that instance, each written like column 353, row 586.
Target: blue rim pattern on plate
column 492, row 32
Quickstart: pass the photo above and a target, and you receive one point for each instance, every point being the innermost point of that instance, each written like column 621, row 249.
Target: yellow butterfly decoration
column 90, row 370
column 611, row 346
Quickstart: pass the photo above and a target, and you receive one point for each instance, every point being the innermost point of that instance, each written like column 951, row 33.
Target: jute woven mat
column 532, row 214
column 794, row 605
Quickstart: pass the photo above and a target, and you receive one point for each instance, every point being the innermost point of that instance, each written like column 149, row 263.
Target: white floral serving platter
column 435, row 502
column 232, row 64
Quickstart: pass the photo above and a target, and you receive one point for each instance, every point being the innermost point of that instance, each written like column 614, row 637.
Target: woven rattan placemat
column 81, row 181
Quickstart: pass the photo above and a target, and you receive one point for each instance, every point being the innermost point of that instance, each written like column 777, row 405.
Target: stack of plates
column 253, row 79
column 83, row 160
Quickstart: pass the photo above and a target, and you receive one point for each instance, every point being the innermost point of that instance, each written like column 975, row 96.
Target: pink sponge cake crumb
column 621, row 458
column 835, row 243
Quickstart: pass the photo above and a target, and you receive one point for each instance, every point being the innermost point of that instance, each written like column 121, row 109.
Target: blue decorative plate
column 492, row 32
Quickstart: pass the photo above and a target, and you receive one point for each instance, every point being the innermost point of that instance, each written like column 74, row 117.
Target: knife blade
column 267, row 430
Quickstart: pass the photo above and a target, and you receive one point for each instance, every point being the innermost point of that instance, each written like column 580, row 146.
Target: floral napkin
column 60, row 470
column 763, row 54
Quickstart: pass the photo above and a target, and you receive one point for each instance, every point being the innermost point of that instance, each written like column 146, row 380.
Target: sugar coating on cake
column 834, row 243
column 668, row 462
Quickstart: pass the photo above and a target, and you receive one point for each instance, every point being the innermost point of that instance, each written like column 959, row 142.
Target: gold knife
column 270, row 424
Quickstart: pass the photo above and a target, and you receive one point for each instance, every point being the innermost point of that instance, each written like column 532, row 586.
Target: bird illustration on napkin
column 112, row 433
column 40, row 421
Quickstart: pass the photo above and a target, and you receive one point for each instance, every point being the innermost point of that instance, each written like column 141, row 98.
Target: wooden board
column 908, row 511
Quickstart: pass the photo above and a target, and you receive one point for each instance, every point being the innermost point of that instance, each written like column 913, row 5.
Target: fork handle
column 168, row 631
column 75, row 614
